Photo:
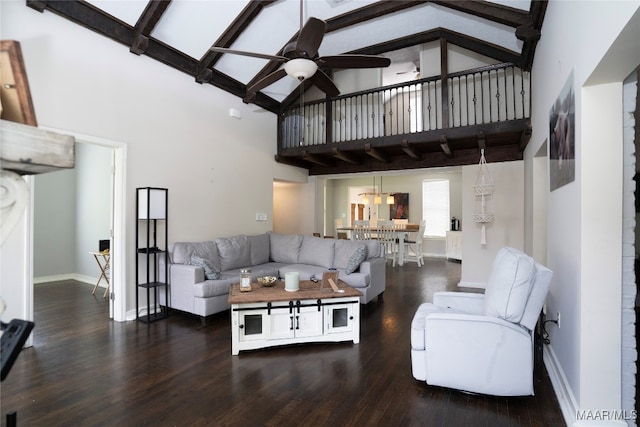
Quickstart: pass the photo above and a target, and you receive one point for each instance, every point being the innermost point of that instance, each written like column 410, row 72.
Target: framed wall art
column 562, row 161
column 400, row 208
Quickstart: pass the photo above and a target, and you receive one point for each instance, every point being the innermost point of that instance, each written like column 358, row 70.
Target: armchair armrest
column 467, row 302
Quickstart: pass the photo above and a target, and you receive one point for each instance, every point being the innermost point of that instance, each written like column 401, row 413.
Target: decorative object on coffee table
column 291, row 281
column 327, row 278
column 245, row 280
column 267, row 281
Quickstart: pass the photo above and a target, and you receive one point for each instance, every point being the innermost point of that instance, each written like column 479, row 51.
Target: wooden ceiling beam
column 346, row 157
column 469, row 156
column 376, row 154
column 89, row 16
column 233, row 31
column 505, row 15
column 482, row 47
column 409, row 151
column 526, row 136
column 444, row 145
column 146, row 23
column 312, row 158
column 537, row 12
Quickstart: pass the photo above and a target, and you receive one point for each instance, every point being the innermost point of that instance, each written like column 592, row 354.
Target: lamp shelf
column 154, row 250
column 151, row 284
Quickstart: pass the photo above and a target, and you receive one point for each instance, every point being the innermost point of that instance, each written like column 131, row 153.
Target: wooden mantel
column 28, row 150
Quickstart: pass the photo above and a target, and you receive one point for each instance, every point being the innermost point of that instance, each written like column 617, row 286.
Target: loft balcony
column 419, row 124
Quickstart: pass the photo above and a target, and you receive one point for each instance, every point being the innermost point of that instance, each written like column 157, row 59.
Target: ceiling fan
column 302, row 62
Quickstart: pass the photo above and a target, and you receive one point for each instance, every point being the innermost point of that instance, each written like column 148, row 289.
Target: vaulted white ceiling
column 185, row 30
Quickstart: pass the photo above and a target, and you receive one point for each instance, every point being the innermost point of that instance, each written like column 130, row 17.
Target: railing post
column 444, row 75
column 328, row 114
column 281, row 131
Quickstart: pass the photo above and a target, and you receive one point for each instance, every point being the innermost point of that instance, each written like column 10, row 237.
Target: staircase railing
column 483, row 95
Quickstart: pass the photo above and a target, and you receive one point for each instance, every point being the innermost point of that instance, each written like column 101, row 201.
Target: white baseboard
column 56, row 278
column 90, row 280
column 72, row 276
column 433, row 255
column 566, row 399
column 131, row 314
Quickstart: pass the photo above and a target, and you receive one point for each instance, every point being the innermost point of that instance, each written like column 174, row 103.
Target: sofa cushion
column 209, row 270
column 234, row 252
column 259, row 248
column 343, row 252
column 316, row 251
column 284, row 247
column 356, row 259
column 374, row 248
column 181, row 252
column 509, row 285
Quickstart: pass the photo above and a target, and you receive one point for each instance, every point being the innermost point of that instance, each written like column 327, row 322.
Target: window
column 435, row 207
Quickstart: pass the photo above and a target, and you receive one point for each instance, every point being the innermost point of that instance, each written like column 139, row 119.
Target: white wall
column 178, row 133
column 93, row 207
column 507, row 229
column 289, row 200
column 584, row 217
column 54, row 224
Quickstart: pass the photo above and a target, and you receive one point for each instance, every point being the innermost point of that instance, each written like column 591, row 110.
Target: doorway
column 73, row 211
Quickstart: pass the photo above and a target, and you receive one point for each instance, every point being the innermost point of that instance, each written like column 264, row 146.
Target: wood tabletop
column 308, row 290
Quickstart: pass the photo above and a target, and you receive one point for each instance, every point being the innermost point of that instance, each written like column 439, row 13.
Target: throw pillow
column 209, row 271
column 355, row 260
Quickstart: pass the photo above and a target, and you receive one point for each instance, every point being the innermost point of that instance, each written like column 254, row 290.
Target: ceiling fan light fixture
column 300, row 68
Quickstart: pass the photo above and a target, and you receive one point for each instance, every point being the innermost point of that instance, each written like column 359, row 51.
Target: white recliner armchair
column 483, row 343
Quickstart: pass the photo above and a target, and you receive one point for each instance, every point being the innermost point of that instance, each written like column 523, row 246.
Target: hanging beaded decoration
column 483, row 191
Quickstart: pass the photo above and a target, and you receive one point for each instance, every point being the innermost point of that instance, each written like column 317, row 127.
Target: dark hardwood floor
column 85, row 370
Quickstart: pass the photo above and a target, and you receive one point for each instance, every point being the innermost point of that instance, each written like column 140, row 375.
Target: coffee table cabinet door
column 281, row 324
column 253, row 325
column 339, row 318
column 302, row 322
column 308, row 323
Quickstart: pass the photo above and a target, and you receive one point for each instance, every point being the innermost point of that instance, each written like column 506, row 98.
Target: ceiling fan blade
column 244, row 53
column 325, row 84
column 310, row 37
column 353, row 61
column 266, row 81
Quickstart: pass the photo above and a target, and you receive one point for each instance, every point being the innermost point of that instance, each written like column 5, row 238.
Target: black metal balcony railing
column 483, row 95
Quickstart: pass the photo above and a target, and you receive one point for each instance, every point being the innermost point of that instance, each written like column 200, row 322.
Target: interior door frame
column 118, row 277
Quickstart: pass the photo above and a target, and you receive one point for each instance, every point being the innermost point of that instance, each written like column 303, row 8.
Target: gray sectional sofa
column 201, row 273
